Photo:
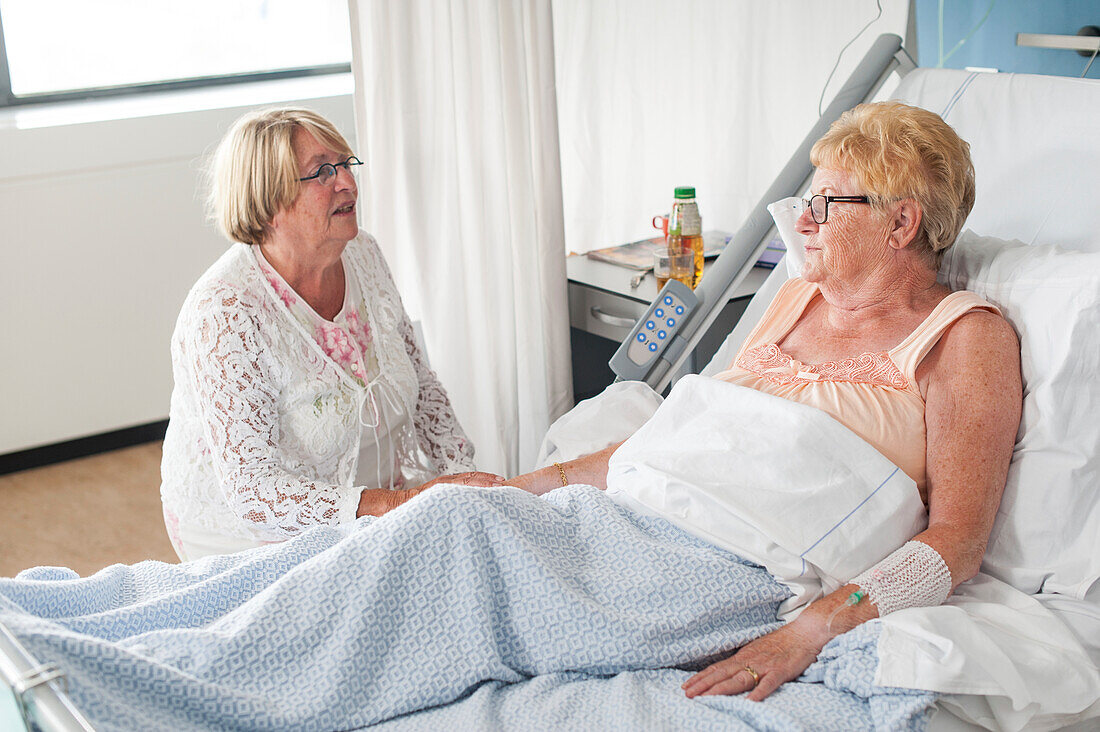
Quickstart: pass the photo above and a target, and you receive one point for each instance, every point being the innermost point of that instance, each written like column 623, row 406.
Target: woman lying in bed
column 929, row 377
column 881, row 392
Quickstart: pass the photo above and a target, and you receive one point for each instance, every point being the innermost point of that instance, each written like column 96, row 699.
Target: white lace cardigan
column 264, row 428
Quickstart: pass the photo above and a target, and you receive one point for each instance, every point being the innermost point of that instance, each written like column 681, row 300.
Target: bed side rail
column 37, row 689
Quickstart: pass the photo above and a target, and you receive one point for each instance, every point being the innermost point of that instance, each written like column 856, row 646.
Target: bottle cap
column 685, row 192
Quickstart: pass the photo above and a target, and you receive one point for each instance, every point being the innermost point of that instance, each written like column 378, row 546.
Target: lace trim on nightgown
column 769, row 362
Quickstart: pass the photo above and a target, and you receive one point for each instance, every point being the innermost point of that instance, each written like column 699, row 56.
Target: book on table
column 772, row 255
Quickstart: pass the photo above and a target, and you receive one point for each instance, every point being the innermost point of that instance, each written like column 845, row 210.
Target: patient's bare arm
column 973, row 395
column 590, row 470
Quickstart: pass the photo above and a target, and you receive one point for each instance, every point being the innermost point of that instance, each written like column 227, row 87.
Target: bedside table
column 603, row 308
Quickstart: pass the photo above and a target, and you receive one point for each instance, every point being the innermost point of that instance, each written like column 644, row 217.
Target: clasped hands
column 377, row 501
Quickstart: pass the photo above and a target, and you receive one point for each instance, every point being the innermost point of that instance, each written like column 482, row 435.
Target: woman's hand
column 771, row 660
column 474, row 478
column 378, row 501
column 761, row 666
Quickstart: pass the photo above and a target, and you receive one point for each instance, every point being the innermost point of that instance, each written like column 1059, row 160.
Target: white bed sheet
column 778, row 483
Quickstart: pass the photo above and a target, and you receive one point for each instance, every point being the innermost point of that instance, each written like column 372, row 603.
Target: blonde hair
column 254, row 173
column 895, row 151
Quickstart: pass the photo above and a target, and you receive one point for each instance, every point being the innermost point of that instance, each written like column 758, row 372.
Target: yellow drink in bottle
column 694, row 244
column 685, row 229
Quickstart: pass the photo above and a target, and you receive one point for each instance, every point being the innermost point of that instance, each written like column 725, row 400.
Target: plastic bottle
column 685, row 229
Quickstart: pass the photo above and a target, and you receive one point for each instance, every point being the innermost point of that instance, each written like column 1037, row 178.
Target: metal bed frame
column 39, row 690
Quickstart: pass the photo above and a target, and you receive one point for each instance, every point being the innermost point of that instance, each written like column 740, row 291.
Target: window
column 65, row 49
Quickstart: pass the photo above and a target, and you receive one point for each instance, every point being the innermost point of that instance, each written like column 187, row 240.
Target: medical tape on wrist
column 913, row 576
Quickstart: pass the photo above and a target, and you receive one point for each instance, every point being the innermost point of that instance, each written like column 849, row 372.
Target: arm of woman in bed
column 590, row 470
column 973, row 392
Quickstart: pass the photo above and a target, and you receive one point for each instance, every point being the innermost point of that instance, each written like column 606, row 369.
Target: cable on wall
column 965, row 38
column 821, row 99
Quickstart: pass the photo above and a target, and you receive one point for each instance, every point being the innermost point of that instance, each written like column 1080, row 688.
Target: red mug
column 661, row 222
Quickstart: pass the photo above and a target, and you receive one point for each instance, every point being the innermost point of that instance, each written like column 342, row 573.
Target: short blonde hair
column 254, row 173
column 895, row 151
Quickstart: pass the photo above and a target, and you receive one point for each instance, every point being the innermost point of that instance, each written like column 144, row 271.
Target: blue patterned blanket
column 466, row 608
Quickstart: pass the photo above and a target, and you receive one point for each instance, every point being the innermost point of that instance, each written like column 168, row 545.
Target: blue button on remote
column 653, row 346
column 662, row 335
column 679, row 309
column 650, row 325
column 660, row 313
column 671, row 322
column 641, row 337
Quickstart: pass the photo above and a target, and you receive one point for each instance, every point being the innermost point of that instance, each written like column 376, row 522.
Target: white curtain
column 715, row 94
column 457, row 123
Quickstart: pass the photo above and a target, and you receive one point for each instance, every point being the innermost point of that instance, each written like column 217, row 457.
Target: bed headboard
column 1035, row 142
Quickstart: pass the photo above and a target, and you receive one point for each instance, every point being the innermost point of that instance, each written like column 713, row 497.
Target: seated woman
column 869, row 360
column 929, row 377
column 301, row 396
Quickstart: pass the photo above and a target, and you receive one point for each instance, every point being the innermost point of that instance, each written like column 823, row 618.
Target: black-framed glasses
column 327, row 172
column 818, row 205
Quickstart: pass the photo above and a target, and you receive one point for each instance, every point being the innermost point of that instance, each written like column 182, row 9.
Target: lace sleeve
column 438, row 432
column 234, row 384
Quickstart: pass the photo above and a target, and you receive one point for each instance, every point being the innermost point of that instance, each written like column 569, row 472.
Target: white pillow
column 1047, row 534
column 593, row 424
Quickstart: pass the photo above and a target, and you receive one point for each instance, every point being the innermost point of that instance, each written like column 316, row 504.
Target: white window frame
column 8, row 99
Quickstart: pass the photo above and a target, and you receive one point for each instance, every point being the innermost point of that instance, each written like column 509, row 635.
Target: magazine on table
column 639, row 254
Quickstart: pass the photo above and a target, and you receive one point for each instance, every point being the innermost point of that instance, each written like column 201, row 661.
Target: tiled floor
column 85, row 514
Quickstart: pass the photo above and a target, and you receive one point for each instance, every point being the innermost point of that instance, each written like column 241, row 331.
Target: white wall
column 715, row 94
column 102, row 233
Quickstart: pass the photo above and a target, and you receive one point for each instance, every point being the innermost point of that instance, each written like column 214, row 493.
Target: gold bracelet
column 561, row 471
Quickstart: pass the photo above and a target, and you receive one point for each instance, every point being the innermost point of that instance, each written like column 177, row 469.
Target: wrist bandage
column 913, row 576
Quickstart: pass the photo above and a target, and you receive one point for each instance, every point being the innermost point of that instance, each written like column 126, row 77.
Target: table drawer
column 601, row 313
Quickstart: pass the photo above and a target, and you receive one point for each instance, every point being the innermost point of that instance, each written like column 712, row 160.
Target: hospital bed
column 1031, row 246
column 1002, row 658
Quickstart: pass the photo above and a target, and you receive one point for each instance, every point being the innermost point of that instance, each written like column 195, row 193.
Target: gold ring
column 755, row 676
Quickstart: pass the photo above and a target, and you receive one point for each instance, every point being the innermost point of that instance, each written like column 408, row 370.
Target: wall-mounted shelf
column 1088, row 44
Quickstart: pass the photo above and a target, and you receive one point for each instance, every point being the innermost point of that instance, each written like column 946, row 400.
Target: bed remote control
column 655, row 334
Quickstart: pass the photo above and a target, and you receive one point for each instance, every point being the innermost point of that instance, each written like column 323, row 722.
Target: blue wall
column 994, row 43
